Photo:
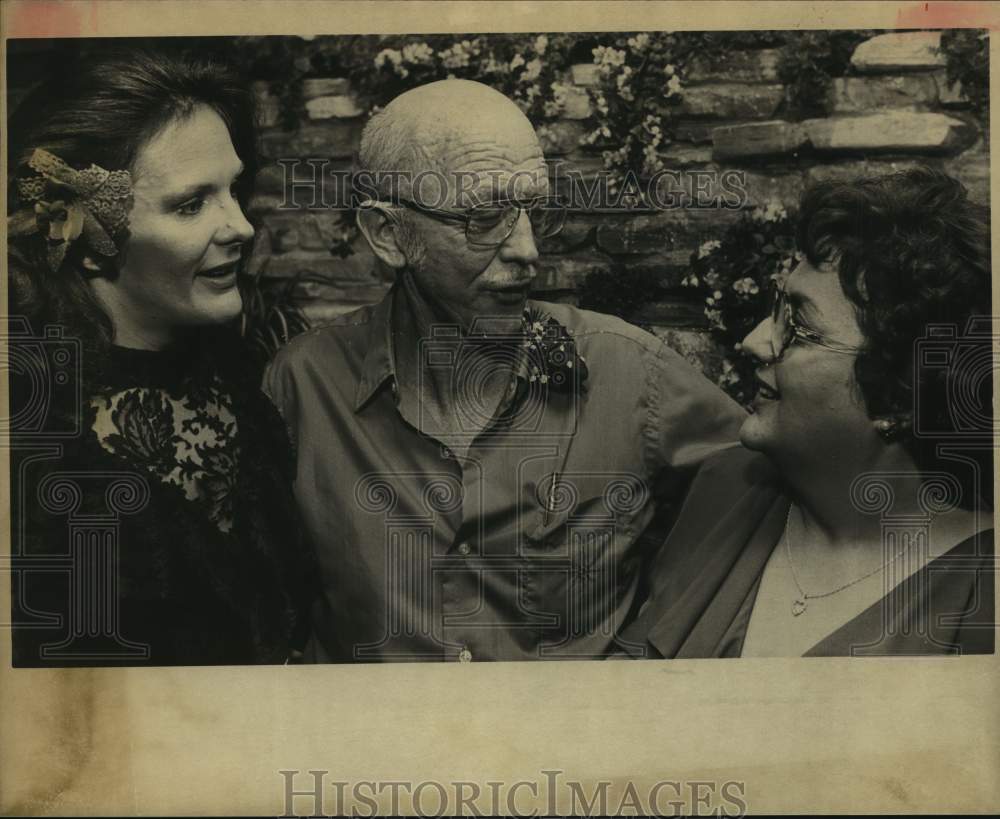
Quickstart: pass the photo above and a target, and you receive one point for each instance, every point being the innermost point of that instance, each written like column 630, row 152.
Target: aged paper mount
column 819, row 735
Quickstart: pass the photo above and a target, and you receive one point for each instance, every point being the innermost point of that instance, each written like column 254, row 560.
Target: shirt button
column 463, row 548
column 465, row 656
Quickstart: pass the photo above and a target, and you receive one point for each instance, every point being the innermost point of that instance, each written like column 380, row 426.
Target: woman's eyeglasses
column 489, row 224
column 785, row 329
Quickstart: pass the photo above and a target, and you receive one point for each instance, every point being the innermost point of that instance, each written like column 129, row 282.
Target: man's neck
column 473, row 387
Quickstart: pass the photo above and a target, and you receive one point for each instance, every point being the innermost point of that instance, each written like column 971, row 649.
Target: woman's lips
column 222, row 276
column 765, row 392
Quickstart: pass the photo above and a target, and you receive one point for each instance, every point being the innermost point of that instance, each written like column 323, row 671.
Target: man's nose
column 520, row 245
column 758, row 342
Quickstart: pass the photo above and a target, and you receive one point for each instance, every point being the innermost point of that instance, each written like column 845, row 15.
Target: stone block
column 587, row 75
column 576, row 233
column 270, row 179
column 268, row 107
column 670, row 313
column 567, row 272
column 680, row 154
column 359, row 267
column 337, row 139
column 662, row 232
column 950, row 95
column 972, row 169
column 264, row 203
column 908, row 50
column 732, row 101
column 576, row 166
column 735, row 66
column 325, row 87
column 698, row 131
column 895, row 131
column 668, row 267
column 576, row 104
column 850, row 95
column 315, row 229
column 560, row 137
column 634, row 234
column 757, row 139
column 341, row 107
column 785, row 188
column 849, row 170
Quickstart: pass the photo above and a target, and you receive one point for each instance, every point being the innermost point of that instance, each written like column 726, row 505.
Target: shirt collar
column 379, row 364
column 380, row 361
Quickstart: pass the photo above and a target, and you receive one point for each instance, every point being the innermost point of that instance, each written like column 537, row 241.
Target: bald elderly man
column 476, row 468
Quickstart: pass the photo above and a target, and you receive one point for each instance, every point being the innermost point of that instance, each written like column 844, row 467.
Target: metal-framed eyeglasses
column 785, row 329
column 489, row 224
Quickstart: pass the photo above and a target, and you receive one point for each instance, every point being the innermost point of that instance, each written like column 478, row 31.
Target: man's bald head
column 444, row 126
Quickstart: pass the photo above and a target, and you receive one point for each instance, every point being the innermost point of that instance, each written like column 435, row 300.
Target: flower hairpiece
column 93, row 203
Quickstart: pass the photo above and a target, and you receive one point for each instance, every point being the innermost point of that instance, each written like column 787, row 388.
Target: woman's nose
column 236, row 227
column 758, row 342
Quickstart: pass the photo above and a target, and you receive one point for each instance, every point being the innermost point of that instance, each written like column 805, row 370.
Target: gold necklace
column 800, row 604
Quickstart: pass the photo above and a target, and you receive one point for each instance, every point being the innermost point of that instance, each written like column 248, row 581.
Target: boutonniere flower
column 67, row 203
column 552, row 358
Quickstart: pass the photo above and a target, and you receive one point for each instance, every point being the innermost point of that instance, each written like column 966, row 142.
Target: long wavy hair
column 101, row 108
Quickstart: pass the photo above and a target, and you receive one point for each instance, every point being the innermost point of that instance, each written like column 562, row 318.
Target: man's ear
column 378, row 225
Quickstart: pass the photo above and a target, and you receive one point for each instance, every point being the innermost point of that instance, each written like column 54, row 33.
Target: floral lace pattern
column 188, row 441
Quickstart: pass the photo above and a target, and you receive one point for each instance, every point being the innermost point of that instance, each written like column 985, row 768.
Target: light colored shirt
column 521, row 540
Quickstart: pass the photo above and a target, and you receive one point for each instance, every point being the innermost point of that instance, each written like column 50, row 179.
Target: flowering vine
column 640, row 88
column 733, row 276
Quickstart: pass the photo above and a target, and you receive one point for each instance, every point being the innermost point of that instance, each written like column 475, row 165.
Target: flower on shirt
column 553, row 360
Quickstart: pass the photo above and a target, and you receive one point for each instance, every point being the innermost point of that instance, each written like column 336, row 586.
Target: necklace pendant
column 798, row 607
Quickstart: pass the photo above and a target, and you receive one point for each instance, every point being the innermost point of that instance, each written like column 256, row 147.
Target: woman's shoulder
column 732, row 471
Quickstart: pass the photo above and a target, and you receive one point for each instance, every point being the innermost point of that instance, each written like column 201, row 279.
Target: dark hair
column 101, row 107
column 912, row 250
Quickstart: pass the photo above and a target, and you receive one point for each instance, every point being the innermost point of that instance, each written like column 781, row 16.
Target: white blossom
column 639, row 42
column 707, row 247
column 608, row 57
column 772, row 212
column 533, row 69
column 418, row 53
column 746, row 286
column 390, row 55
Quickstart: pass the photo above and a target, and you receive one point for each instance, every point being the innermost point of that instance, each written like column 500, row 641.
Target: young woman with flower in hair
column 158, row 527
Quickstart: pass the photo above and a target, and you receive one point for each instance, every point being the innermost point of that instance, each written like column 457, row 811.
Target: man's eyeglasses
column 785, row 329
column 490, row 223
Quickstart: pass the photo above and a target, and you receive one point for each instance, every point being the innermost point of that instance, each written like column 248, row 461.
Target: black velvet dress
column 153, row 521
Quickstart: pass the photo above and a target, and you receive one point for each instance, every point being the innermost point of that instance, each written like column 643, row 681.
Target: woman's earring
column 892, row 429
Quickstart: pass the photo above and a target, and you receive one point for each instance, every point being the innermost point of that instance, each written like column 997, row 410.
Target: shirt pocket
column 583, row 508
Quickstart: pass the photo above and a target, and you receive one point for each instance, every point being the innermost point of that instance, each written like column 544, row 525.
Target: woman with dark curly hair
column 857, row 517
column 153, row 516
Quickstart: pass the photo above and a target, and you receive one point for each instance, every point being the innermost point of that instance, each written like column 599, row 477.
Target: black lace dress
column 164, row 532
